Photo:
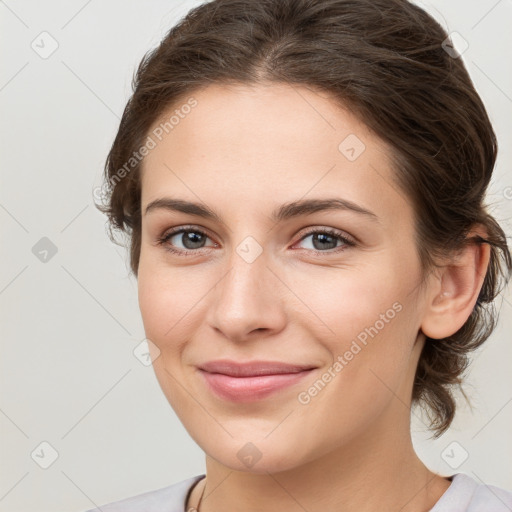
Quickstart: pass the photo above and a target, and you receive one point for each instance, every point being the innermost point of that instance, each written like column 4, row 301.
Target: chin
column 263, row 462
column 259, row 456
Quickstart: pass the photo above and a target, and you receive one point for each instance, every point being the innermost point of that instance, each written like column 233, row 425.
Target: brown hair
column 385, row 59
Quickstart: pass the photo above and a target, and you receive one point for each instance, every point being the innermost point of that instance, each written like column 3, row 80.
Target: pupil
column 323, row 238
column 192, row 240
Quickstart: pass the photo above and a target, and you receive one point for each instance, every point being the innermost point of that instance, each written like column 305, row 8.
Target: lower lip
column 249, row 389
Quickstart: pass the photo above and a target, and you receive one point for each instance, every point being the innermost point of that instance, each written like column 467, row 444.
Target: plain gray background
column 70, row 323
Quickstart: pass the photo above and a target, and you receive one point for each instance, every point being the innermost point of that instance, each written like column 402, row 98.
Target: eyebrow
column 284, row 212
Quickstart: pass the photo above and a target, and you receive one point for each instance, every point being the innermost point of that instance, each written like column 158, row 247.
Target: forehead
column 253, row 117
column 273, row 142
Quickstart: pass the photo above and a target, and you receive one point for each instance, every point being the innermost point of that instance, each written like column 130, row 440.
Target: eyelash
column 163, row 240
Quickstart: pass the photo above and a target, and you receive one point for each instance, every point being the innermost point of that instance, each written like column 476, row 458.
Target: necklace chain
column 196, row 509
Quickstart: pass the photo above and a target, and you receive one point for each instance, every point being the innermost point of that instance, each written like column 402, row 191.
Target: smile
column 250, row 381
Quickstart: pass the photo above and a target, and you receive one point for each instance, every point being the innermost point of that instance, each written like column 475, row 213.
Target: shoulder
column 166, row 499
column 466, row 494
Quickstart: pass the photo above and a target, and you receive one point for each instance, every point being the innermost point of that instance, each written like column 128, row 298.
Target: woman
column 303, row 185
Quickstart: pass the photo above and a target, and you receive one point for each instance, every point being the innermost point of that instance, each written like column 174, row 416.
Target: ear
column 454, row 291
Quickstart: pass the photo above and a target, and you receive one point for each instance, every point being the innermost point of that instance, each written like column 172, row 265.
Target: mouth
column 251, row 381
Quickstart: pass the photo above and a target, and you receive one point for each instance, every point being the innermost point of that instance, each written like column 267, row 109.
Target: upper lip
column 252, row 368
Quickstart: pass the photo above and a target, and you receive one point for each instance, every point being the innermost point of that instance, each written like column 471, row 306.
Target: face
column 306, row 259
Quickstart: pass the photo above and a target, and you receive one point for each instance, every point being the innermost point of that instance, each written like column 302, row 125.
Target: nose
column 249, row 300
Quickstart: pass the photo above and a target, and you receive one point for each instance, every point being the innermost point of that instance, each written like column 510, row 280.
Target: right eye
column 190, row 238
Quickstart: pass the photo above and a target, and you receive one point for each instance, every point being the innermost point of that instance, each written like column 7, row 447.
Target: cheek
column 371, row 329
column 365, row 377
column 173, row 303
column 345, row 302
column 151, row 294
column 164, row 314
column 372, row 346
column 164, row 300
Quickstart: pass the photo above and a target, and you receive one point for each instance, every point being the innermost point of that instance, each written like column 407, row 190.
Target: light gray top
column 464, row 495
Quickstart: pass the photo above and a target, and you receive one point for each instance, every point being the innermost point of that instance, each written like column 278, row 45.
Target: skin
column 244, row 151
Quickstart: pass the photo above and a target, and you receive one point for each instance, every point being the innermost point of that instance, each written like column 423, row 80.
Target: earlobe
column 455, row 291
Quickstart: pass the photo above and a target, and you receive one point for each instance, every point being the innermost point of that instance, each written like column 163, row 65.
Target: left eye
column 324, row 240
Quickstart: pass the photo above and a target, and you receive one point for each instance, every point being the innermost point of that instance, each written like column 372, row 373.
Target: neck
column 377, row 471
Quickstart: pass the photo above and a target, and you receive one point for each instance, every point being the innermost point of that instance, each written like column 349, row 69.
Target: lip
column 251, row 381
